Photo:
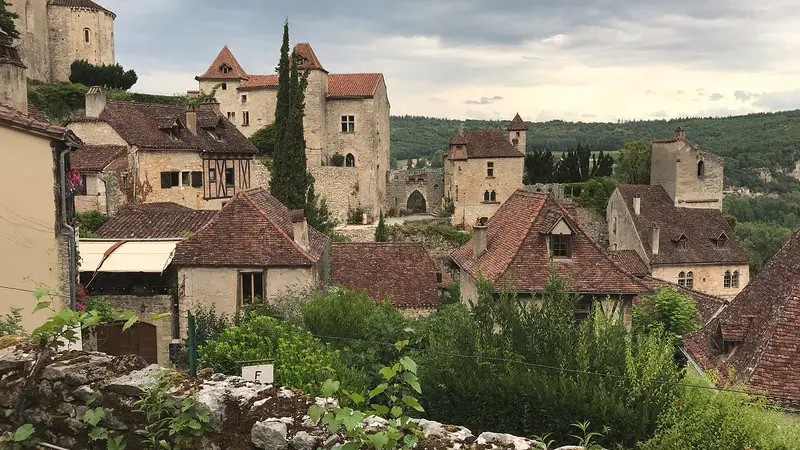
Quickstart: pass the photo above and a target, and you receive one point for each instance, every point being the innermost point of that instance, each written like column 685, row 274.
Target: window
column 175, row 133
column 456, row 199
column 683, row 242
column 232, row 116
column 186, row 178
column 225, row 68
column 125, row 180
column 244, row 98
column 82, row 187
column 212, row 175
column 348, row 124
column 489, row 169
column 722, row 240
column 245, row 118
column 486, row 196
column 615, row 225
column 170, row 179
column 735, row 279
column 86, row 35
column 350, row 160
column 701, row 169
column 726, row 279
column 517, row 133
column 252, row 287
column 686, row 279
column 561, row 245
column 493, row 197
column 229, row 177
column 224, row 86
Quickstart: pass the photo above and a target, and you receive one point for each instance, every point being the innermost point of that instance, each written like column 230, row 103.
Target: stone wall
column 708, row 278
column 402, row 183
column 340, row 186
column 67, row 26
column 466, row 182
column 674, row 165
column 554, row 189
column 243, row 415
column 33, row 42
column 13, row 86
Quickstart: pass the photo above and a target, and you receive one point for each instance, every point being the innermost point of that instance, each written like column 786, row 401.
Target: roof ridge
column 246, row 194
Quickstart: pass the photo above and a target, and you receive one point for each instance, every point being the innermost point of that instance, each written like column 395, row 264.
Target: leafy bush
column 669, row 311
column 595, row 194
column 209, row 325
column 10, row 323
column 57, row 101
column 264, row 140
column 90, row 222
column 434, row 231
column 300, row 360
column 107, row 75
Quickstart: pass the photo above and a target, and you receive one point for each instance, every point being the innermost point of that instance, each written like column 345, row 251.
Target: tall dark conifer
column 9, row 29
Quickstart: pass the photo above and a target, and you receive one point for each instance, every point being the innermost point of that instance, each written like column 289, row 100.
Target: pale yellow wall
column 150, row 164
column 340, row 186
column 230, row 100
column 33, row 43
column 674, row 166
column 468, row 286
column 470, row 178
column 287, row 281
column 30, row 251
column 96, row 133
column 626, row 236
column 382, row 113
column 67, row 44
column 707, row 278
column 261, row 105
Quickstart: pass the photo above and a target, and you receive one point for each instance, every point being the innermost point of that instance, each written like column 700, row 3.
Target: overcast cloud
column 548, row 59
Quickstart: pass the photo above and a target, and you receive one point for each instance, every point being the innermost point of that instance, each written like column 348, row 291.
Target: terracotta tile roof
column 252, row 230
column 517, row 253
column 14, row 119
column 459, row 139
column 403, row 273
column 84, row 4
column 144, row 125
column 353, row 84
column 153, row 221
column 95, row 158
column 630, row 261
column 707, row 305
column 225, row 57
column 701, row 226
column 763, row 322
column 484, row 144
column 517, row 124
column 259, row 82
column 309, row 58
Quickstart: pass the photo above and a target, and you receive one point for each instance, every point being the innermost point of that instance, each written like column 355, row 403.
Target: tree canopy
column 8, row 29
column 633, row 165
column 112, row 76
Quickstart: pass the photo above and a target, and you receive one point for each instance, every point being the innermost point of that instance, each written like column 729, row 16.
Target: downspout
column 70, row 228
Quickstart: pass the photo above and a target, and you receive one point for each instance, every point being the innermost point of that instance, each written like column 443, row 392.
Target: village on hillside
column 261, row 226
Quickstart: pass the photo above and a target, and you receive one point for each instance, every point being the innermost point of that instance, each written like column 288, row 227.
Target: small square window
column 490, row 169
column 230, row 180
column 348, row 124
column 232, row 116
column 212, row 175
column 244, row 98
column 186, row 178
column 224, row 86
column 561, row 246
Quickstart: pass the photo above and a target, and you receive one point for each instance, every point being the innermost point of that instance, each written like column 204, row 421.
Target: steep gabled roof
column 483, row 144
column 252, row 230
column 353, row 85
column 403, row 273
column 154, row 221
column 224, row 58
column 517, row 124
column 82, row 4
column 517, row 253
column 701, row 226
column 764, row 323
column 258, row 82
column 95, row 158
column 309, row 58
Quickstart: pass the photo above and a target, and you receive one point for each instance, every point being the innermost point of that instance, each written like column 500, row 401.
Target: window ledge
column 490, row 178
column 348, row 132
column 491, row 203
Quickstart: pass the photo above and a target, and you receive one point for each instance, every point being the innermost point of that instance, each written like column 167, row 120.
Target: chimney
column 479, row 231
column 14, row 88
column 300, row 228
column 191, row 119
column 680, row 133
column 95, row 102
column 212, row 103
column 637, row 204
column 655, row 235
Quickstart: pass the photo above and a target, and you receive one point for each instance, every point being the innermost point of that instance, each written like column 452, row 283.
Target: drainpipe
column 70, row 228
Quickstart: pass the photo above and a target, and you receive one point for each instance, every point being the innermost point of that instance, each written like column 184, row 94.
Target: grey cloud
column 483, row 100
column 776, row 101
column 716, row 96
column 743, row 96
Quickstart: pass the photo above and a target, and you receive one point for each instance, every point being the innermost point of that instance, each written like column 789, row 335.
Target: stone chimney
column 479, row 237
column 191, row 119
column 637, row 204
column 680, row 133
column 95, row 102
column 213, row 104
column 13, row 85
column 655, row 236
column 300, row 228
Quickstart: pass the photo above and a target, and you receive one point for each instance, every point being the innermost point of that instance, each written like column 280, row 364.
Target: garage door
column 140, row 339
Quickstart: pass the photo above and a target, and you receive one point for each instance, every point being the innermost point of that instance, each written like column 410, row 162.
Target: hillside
column 747, row 142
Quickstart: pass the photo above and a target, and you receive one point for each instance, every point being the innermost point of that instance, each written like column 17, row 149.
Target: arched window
column 86, row 34
column 493, row 197
column 682, row 279
column 735, row 279
column 350, row 160
column 726, row 280
column 690, row 280
column 486, row 196
column 225, row 68
column 701, row 169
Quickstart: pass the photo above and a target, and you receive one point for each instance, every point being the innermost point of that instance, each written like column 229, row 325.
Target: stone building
column 345, row 114
column 36, row 241
column 193, row 157
column 529, row 235
column 100, row 188
column 482, row 169
column 676, row 225
column 54, row 33
column 415, row 191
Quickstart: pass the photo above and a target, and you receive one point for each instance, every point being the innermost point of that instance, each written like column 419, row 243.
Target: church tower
column 33, row 41
column 518, row 133
column 78, row 30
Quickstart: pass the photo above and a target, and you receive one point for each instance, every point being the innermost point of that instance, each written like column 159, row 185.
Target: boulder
column 502, row 440
column 269, row 434
column 304, row 441
column 136, row 382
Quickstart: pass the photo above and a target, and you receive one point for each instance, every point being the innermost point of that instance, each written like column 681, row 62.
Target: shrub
column 10, row 322
column 667, row 309
column 264, row 140
column 595, row 194
column 429, row 231
column 209, row 325
column 90, row 222
column 381, row 232
column 107, row 75
column 337, row 159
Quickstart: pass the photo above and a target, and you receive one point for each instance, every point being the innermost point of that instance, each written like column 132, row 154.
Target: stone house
column 482, row 169
column 253, row 249
column 676, row 225
column 193, row 157
column 753, row 341
column 99, row 166
column 527, row 236
column 345, row 114
column 54, row 33
column 401, row 273
column 36, row 239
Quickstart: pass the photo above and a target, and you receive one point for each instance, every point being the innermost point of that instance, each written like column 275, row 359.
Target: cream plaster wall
column 708, row 278
column 67, row 43
column 316, row 118
column 468, row 178
column 468, row 287
column 30, row 251
column 95, row 198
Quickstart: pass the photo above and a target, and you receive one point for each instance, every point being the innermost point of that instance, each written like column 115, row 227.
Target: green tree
column 264, row 140
column 8, row 29
column 633, row 163
column 289, row 178
column 381, row 232
column 539, row 167
column 317, row 213
column 112, row 76
column 667, row 310
column 602, row 165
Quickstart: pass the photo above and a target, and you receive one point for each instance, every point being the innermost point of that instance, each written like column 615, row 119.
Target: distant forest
column 746, row 142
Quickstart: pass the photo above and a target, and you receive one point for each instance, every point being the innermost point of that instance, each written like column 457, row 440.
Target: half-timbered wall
column 217, row 173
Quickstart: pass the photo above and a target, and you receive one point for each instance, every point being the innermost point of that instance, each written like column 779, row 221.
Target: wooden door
column 140, row 339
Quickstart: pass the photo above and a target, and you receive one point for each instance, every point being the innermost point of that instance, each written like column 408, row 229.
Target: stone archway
column 416, row 203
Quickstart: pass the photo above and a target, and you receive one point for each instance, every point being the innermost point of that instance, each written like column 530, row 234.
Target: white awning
column 126, row 256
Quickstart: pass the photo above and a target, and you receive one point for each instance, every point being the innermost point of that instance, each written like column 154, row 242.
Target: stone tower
column 316, row 107
column 33, row 36
column 518, row 133
column 13, row 86
column 692, row 177
column 79, row 29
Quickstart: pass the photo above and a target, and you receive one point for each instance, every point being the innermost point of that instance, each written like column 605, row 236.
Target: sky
column 592, row 60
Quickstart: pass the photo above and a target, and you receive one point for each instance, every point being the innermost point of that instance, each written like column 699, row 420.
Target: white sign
column 260, row 374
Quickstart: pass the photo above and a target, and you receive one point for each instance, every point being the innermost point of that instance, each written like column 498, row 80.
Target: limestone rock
column 269, row 435
column 135, row 383
column 449, row 432
column 304, row 441
column 214, row 395
column 502, row 440
column 84, row 393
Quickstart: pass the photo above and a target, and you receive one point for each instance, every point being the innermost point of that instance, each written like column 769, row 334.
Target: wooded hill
column 746, row 142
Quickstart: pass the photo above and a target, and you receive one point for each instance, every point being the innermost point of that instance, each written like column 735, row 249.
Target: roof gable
column 224, row 67
column 517, row 124
column 485, row 144
column 306, row 58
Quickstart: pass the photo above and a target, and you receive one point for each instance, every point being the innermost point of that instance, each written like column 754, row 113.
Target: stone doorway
column 416, row 203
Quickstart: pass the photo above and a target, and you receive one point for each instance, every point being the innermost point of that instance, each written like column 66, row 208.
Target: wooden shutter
column 197, row 179
column 176, row 178
column 166, row 180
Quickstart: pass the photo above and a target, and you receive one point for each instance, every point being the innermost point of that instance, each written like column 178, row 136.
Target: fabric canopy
column 125, row 256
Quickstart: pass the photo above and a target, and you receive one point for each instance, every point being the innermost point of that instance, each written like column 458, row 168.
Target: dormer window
column 682, row 242
column 174, row 132
column 225, row 68
column 722, row 240
column 560, row 240
column 300, row 60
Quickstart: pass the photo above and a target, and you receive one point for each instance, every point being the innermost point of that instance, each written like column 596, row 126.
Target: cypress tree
column 381, row 232
column 8, row 30
column 278, row 177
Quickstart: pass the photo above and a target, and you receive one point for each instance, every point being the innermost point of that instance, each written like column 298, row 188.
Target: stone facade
column 13, row 85
column 341, row 187
column 95, row 198
column 403, row 183
column 706, row 278
column 466, row 183
column 53, row 34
